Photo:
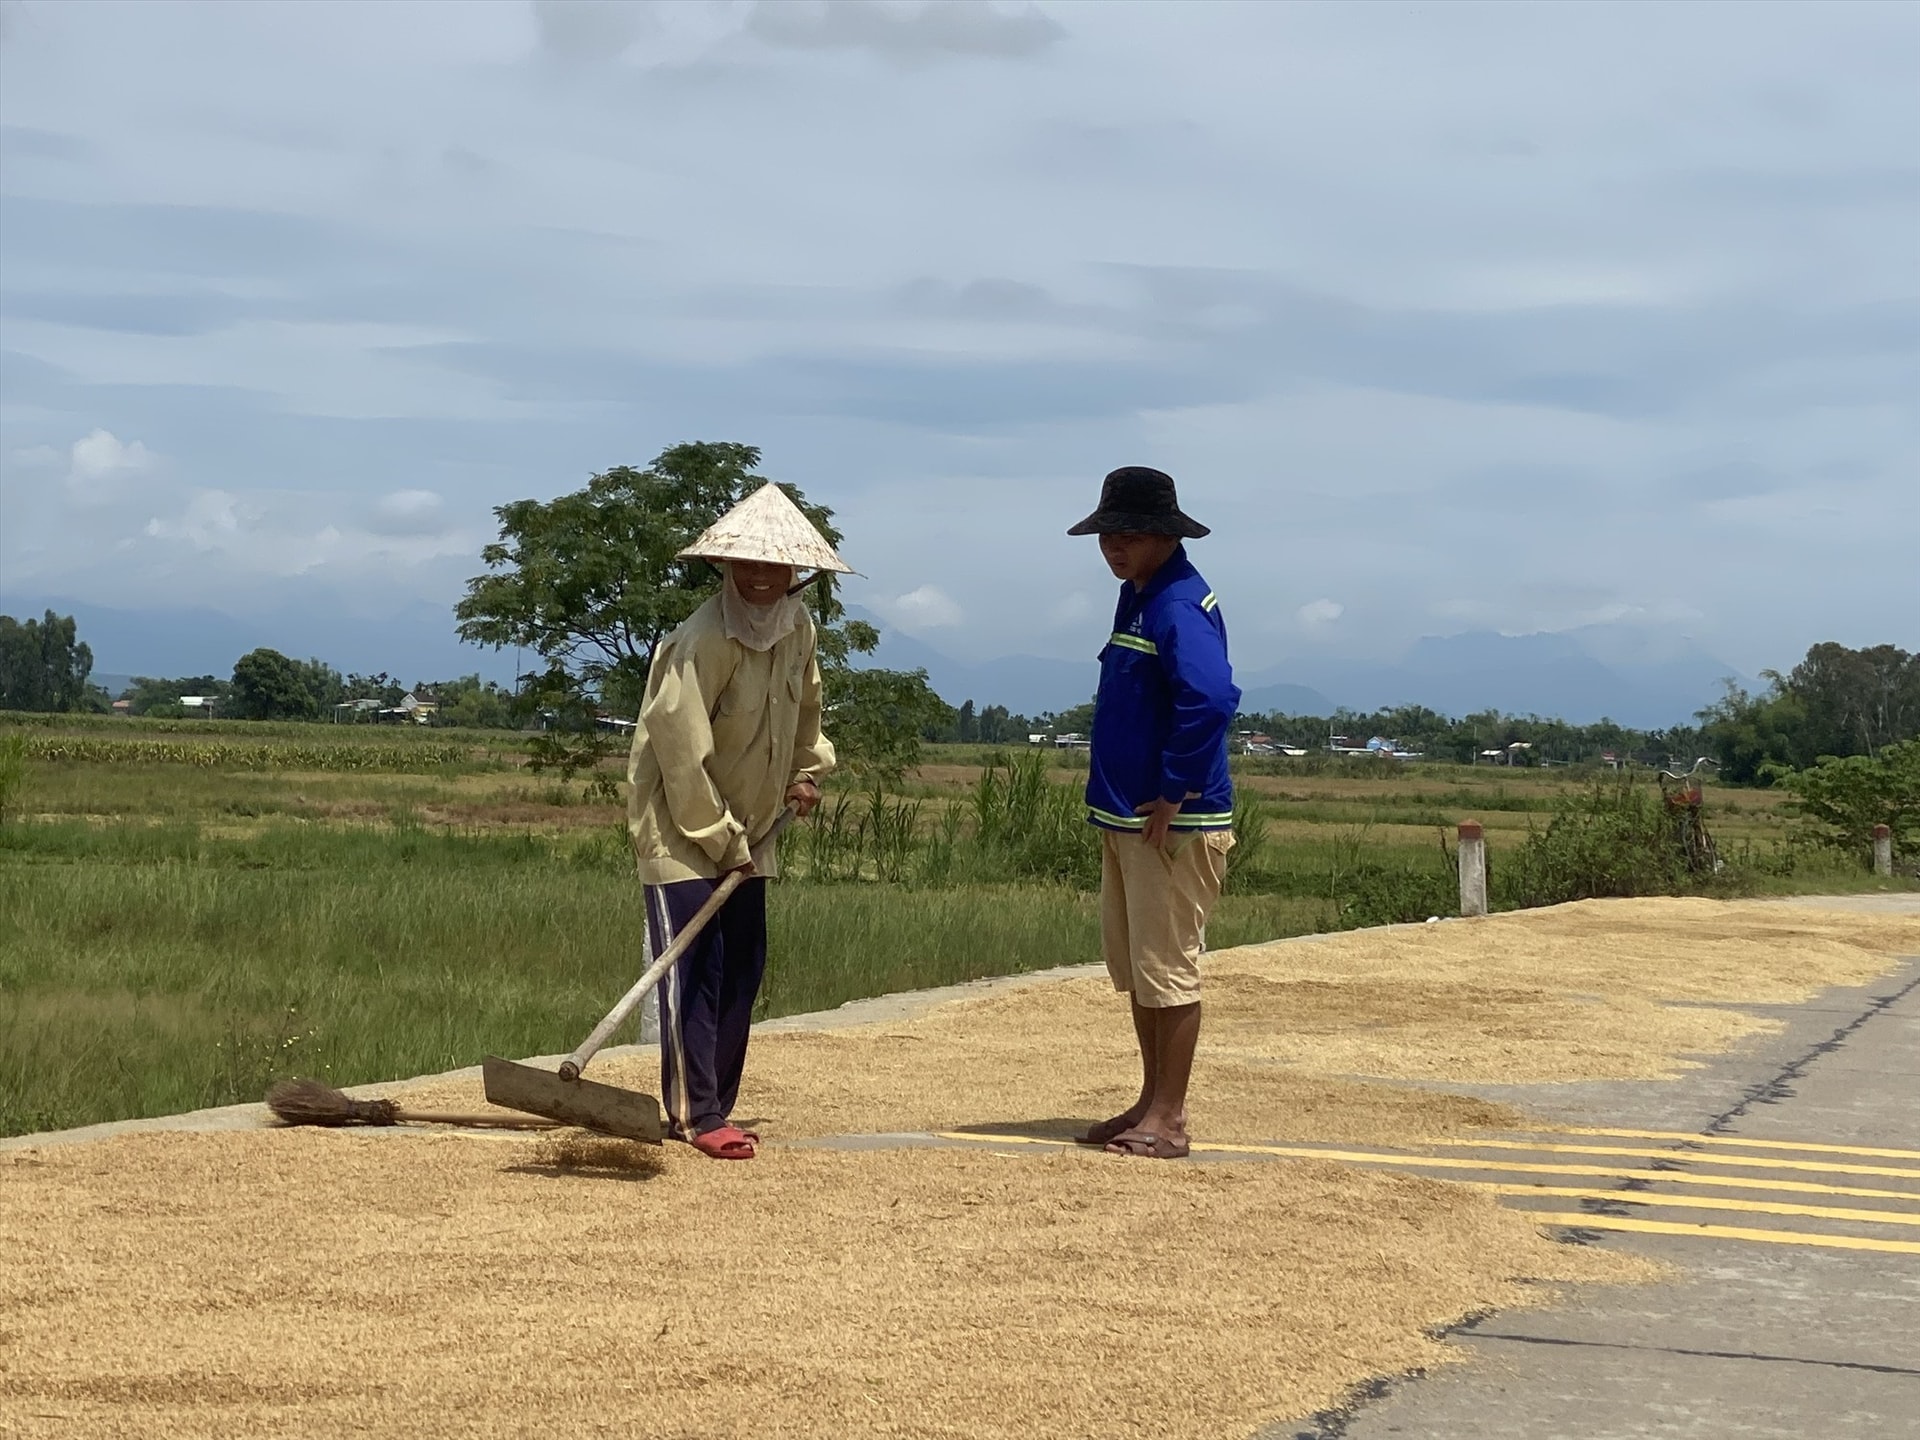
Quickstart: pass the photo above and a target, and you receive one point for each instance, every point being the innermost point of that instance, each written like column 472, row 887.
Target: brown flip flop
column 1147, row 1146
column 1105, row 1133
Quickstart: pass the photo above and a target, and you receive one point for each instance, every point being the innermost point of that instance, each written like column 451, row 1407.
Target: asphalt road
column 1769, row 1330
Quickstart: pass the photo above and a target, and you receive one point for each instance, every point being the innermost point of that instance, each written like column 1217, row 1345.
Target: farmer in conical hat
column 729, row 735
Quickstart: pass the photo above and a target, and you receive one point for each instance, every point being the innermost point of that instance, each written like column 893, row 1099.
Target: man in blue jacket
column 1160, row 792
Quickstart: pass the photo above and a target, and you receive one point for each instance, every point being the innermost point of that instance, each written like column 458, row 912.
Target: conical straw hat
column 767, row 526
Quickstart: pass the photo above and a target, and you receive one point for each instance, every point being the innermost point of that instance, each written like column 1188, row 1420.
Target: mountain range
column 412, row 642
column 1633, row 677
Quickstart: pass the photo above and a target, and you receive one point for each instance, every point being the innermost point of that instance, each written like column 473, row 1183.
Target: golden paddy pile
column 321, row 1283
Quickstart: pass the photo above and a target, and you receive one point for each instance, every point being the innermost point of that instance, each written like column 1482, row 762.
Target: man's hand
column 803, row 795
column 745, row 872
column 1159, row 815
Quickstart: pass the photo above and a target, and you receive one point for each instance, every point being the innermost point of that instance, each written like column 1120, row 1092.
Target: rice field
column 189, row 911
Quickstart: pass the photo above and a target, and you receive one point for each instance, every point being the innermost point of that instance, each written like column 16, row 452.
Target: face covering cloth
column 758, row 627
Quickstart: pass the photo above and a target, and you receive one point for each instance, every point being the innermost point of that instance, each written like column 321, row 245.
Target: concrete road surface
column 1756, row 1337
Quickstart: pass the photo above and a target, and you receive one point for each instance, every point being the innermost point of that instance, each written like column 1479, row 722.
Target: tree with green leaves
column 1856, row 701
column 269, row 686
column 380, row 687
column 1845, row 797
column 160, row 697
column 591, row 583
column 1076, row 721
column 473, row 701
column 1837, row 701
column 998, row 727
column 44, row 665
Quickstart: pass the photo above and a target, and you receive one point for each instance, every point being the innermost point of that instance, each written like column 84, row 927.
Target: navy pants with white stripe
column 706, row 1000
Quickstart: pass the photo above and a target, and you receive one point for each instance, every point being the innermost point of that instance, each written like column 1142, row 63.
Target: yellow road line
column 1722, row 1232
column 1744, row 1162
column 1511, row 1167
column 1869, row 1151
column 1701, row 1202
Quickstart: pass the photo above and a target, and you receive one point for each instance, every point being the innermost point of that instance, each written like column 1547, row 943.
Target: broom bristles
column 308, row 1102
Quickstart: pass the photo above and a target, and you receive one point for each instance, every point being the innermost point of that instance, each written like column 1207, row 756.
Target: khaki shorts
column 1154, row 906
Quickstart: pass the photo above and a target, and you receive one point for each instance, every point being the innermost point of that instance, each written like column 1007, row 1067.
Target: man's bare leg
column 1176, row 1035
column 1146, row 1033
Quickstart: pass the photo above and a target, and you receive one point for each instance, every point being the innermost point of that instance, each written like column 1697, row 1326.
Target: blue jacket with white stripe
column 1166, row 702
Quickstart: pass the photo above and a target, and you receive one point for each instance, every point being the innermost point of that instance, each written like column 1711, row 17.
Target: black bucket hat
column 1137, row 500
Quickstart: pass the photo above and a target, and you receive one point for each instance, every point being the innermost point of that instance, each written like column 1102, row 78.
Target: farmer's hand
column 803, row 795
column 1159, row 815
column 745, row 872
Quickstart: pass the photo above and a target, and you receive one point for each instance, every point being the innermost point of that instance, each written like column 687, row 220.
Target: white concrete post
column 650, row 1018
column 1473, row 868
column 1882, row 850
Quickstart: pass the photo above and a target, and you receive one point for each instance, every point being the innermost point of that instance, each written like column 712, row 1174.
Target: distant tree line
column 267, row 685
column 44, row 666
column 1836, row 702
column 1465, row 739
column 991, row 725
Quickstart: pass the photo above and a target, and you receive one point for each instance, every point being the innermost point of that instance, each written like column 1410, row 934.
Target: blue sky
column 1446, row 317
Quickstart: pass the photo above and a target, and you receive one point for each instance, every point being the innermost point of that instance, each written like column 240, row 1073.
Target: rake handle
column 571, row 1067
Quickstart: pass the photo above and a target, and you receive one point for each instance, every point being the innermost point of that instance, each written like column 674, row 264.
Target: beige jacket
column 723, row 732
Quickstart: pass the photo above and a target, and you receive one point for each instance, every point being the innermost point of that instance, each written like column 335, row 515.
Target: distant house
column 207, row 705
column 1511, row 755
column 420, row 709
column 123, row 707
column 1380, row 745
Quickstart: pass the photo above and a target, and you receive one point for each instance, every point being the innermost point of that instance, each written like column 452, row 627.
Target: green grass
column 305, row 731
column 174, row 935
column 145, row 970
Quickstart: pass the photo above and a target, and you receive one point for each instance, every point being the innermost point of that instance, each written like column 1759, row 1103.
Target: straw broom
column 308, row 1102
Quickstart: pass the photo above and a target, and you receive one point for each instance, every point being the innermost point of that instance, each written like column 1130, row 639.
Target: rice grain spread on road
column 319, row 1283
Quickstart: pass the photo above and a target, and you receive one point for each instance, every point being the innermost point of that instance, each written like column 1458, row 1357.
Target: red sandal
column 727, row 1142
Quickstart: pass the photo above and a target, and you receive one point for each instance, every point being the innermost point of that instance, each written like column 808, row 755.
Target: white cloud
column 1070, row 610
column 905, row 31
column 212, row 519
column 1632, row 275
column 1317, row 615
column 102, row 453
column 409, row 512
column 588, row 29
column 269, row 535
column 928, row 608
column 99, row 462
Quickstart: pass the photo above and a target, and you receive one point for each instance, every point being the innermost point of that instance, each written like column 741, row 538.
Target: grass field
column 187, row 912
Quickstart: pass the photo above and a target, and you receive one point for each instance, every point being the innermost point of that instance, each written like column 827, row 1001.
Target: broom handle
column 571, row 1067
column 481, row 1122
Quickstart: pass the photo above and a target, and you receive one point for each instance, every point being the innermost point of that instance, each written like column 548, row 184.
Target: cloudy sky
column 1446, row 317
